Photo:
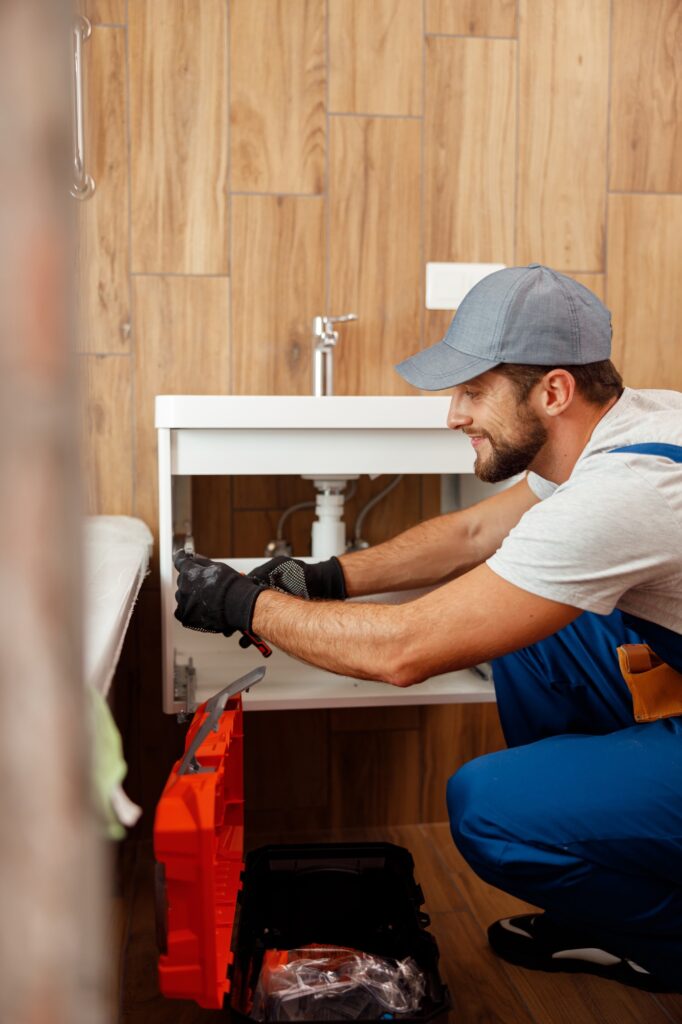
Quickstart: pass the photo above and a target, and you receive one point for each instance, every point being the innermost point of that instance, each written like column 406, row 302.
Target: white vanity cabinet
column 279, row 435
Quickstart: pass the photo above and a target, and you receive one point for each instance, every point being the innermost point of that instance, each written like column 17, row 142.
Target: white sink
column 262, row 434
column 260, row 412
column 297, row 435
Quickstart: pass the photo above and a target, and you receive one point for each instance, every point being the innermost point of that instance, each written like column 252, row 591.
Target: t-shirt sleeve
column 592, row 540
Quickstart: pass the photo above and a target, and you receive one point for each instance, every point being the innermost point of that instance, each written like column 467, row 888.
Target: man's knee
column 472, row 795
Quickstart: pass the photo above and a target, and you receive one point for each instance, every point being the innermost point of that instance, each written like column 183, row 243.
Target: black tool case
column 219, row 916
column 359, row 895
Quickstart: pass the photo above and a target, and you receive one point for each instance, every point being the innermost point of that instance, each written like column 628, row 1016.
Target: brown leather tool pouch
column 656, row 688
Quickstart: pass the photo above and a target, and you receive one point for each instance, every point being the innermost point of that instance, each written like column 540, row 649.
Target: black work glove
column 212, row 597
column 319, row 579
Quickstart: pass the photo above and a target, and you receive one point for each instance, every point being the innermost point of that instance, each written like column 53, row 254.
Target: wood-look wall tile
column 285, row 754
column 179, row 136
column 106, row 434
column 563, row 106
column 430, row 496
column 254, row 528
column 212, row 515
column 299, row 530
column 259, row 502
column 102, row 287
column 374, row 719
column 375, row 777
column 182, row 347
column 156, row 739
column 453, row 734
column 644, row 233
column 375, row 243
column 277, row 289
column 271, row 491
column 397, row 511
column 280, row 824
column 436, row 323
column 471, row 17
column 107, row 12
column 375, row 56
column 277, row 76
column 470, row 127
column 646, row 96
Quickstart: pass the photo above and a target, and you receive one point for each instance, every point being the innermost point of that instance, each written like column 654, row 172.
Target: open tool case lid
column 199, row 845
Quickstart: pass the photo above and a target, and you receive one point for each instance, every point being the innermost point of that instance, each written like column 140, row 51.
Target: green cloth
column 108, row 765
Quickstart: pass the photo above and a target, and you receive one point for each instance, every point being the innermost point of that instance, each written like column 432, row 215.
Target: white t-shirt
column 611, row 535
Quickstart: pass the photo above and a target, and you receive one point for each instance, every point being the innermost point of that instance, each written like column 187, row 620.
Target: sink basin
column 261, row 435
column 251, row 434
column 301, row 411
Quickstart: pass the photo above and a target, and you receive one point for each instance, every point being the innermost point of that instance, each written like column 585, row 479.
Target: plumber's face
column 506, row 434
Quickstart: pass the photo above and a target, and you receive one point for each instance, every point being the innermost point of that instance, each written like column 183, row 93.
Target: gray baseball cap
column 517, row 315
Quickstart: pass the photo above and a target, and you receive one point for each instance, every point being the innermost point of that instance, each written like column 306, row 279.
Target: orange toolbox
column 220, row 920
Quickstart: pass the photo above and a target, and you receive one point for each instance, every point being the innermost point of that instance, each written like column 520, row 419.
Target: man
column 582, row 815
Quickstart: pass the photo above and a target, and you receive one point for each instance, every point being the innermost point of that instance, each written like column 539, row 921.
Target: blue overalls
column 582, row 815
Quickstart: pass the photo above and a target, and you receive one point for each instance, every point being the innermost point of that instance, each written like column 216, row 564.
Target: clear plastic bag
column 326, row 983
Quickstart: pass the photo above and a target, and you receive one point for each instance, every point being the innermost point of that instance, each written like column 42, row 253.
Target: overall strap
column 666, row 451
column 666, row 643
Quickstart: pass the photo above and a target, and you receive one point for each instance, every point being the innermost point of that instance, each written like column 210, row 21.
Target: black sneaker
column 532, row 941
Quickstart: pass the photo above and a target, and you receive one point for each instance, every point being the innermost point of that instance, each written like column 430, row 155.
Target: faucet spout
column 325, row 339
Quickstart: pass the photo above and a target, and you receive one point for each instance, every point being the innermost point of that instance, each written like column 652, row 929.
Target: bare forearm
column 472, row 619
column 361, row 640
column 439, row 549
column 427, row 554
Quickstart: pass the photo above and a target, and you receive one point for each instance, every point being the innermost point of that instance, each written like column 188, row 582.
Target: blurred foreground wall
column 50, row 873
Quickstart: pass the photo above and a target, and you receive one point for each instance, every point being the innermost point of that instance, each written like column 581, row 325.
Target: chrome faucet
column 325, row 338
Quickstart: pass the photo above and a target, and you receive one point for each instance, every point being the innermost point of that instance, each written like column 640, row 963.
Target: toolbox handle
column 214, row 708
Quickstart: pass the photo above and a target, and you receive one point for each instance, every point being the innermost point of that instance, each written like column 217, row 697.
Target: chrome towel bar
column 83, row 185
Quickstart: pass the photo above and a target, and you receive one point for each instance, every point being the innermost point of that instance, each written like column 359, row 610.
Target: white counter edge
column 257, row 412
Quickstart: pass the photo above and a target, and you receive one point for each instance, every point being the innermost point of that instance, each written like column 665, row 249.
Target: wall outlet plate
column 448, row 283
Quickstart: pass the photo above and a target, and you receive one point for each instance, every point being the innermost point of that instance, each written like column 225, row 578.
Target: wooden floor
column 484, row 989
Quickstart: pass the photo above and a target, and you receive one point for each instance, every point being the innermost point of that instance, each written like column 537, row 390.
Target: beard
column 508, row 458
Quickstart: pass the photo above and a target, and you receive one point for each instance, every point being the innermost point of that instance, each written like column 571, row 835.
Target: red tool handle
column 250, row 638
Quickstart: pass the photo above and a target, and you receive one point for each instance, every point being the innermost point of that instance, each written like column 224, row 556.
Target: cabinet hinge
column 184, row 684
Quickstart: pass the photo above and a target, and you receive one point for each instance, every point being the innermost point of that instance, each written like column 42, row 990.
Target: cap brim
column 442, row 366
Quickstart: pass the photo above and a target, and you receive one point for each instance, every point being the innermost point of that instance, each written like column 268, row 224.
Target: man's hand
column 302, row 579
column 212, row 597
